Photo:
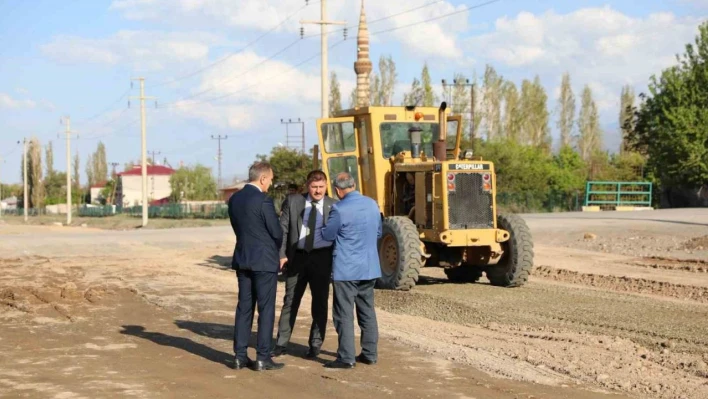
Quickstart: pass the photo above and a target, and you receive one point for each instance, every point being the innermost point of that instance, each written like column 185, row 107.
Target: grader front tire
column 515, row 266
column 399, row 254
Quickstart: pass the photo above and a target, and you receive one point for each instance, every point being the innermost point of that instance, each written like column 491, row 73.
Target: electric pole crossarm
column 323, row 22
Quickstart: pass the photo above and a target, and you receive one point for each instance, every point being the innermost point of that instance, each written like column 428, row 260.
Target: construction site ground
column 616, row 307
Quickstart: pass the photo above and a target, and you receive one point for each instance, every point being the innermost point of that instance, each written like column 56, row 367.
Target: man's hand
column 283, row 261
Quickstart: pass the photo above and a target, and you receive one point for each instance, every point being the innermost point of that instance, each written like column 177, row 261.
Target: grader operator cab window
column 338, row 165
column 338, row 137
column 395, row 137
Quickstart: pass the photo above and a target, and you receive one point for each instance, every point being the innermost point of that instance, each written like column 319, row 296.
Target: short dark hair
column 258, row 169
column 316, row 175
column 293, row 186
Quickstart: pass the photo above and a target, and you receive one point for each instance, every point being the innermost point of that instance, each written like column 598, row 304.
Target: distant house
column 227, row 192
column 96, row 189
column 130, row 185
column 8, row 204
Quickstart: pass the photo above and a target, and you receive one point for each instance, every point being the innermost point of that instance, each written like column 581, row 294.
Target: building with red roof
column 130, row 185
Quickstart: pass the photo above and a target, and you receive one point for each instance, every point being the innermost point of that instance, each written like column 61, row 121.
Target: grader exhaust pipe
column 440, row 146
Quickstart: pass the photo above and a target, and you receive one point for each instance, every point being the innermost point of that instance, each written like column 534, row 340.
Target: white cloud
column 601, row 47
column 262, row 15
column 6, row 101
column 143, row 50
column 22, row 91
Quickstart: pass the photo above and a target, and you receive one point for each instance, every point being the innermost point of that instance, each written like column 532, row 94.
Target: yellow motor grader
column 438, row 203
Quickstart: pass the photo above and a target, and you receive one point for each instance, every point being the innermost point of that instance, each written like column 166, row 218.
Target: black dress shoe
column 337, row 364
column 238, row 364
column 262, row 365
column 279, row 351
column 365, row 360
column 312, row 353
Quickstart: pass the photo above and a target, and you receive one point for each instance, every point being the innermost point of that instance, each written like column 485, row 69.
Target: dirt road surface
column 617, row 307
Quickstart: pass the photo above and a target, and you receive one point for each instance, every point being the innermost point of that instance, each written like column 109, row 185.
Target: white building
column 96, row 189
column 130, row 185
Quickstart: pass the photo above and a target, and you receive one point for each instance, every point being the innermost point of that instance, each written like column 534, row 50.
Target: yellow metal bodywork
column 374, row 172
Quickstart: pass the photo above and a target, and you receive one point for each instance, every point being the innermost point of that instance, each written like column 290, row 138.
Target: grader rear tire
column 399, row 254
column 515, row 266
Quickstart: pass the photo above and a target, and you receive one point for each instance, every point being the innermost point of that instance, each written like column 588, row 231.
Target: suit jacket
column 355, row 227
column 257, row 229
column 292, row 213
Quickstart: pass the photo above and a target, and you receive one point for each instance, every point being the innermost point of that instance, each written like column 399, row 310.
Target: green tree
column 55, row 188
column 76, row 165
column 289, row 166
column 670, row 126
column 99, row 164
column 374, row 89
column 429, row 96
column 387, row 83
column 536, row 116
column 589, row 138
column 90, row 171
column 415, row 95
column 460, row 99
column 335, row 95
column 193, row 184
column 512, row 112
column 49, row 156
column 34, row 176
column 625, row 115
column 491, row 102
column 566, row 111
column 569, row 173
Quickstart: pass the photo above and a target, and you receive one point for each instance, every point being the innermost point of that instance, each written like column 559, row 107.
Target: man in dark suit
column 309, row 261
column 256, row 261
column 355, row 227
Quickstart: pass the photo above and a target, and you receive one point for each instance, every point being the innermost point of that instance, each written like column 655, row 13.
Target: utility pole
column 323, row 27
column 472, row 103
column 153, row 155
column 144, row 147
column 218, row 155
column 291, row 139
column 113, row 173
column 24, row 170
column 67, row 122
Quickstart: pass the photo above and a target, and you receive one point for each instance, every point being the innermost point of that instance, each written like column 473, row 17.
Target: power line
column 104, row 111
column 291, row 69
column 436, row 18
column 346, row 28
column 234, row 53
column 235, row 77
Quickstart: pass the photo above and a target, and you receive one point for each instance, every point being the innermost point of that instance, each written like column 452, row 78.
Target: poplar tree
column 566, row 111
column 589, row 138
column 335, row 95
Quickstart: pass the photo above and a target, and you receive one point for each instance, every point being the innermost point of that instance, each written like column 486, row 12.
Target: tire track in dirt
column 623, row 284
column 658, row 262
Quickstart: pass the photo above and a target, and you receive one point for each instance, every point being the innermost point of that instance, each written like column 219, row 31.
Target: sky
column 236, row 68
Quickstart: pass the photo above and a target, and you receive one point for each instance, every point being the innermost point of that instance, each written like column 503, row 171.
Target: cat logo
column 469, row 166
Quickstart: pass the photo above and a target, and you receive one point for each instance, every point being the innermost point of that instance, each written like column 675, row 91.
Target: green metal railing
column 614, row 193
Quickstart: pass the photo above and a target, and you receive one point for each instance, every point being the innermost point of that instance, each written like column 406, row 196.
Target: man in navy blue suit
column 256, row 261
column 355, row 226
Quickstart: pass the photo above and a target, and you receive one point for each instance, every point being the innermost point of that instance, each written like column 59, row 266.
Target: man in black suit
column 256, row 261
column 309, row 261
